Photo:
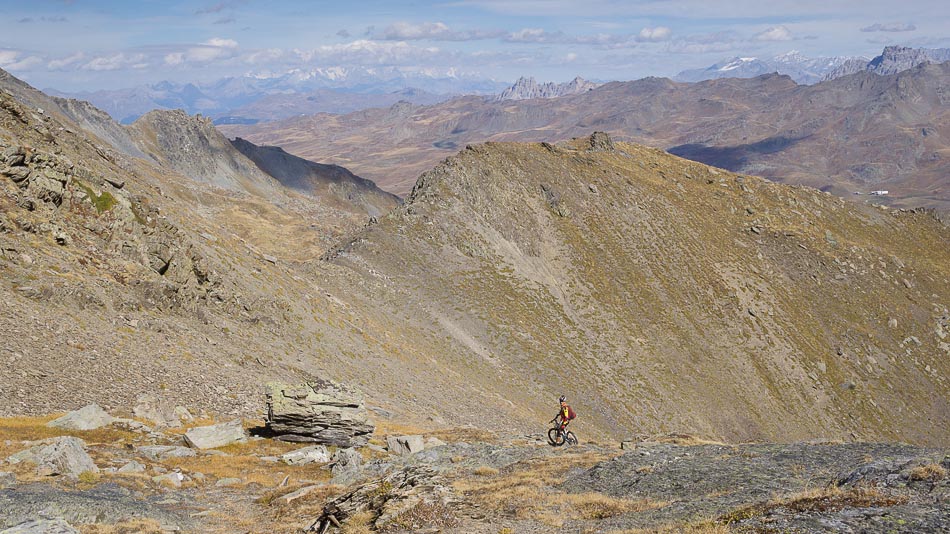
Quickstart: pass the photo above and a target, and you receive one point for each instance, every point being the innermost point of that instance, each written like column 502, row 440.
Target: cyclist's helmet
column 562, row 398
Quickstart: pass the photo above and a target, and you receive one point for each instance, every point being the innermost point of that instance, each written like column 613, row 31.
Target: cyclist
column 565, row 414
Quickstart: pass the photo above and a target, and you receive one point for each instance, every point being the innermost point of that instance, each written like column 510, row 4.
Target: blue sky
column 85, row 45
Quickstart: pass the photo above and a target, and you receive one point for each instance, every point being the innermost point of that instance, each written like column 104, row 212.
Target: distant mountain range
column 829, row 135
column 249, row 99
column 894, row 59
column 802, row 69
column 805, row 70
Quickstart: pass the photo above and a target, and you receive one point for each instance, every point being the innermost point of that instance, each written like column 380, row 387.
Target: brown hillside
column 659, row 293
column 857, row 133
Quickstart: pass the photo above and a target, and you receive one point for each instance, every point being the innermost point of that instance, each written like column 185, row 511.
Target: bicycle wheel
column 571, row 439
column 555, row 437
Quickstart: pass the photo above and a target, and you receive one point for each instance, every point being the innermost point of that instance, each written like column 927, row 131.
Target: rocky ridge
column 893, row 59
column 528, row 88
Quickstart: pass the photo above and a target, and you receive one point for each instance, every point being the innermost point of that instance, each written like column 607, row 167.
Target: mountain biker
column 565, row 414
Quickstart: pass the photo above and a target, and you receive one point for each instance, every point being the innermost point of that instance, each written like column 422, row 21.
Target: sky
column 77, row 45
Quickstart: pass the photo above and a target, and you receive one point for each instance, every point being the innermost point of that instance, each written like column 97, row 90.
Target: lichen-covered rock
column 405, row 445
column 320, row 411
column 41, row 526
column 307, row 455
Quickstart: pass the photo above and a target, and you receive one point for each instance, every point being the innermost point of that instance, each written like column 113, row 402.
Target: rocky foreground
column 126, row 475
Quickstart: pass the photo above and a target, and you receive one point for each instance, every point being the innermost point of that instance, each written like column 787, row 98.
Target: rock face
column 892, row 60
column 214, row 436
column 346, row 465
column 527, row 88
column 155, row 410
column 87, row 418
column 320, row 411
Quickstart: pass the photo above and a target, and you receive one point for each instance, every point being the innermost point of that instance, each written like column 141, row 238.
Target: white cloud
column 570, row 57
column 116, row 61
column 775, row 33
column 62, row 63
column 14, row 60
column 221, row 43
column 175, row 58
column 267, row 55
column 436, row 31
column 364, row 51
column 660, row 33
column 891, row 27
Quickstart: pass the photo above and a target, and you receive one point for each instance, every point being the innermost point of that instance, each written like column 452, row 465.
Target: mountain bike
column 558, row 437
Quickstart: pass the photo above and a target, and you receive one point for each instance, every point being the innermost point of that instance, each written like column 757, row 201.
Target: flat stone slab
column 163, row 452
column 308, row 455
column 405, row 445
column 214, row 436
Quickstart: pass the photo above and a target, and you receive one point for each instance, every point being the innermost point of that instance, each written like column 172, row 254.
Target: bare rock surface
column 405, row 444
column 214, row 436
column 105, row 503
column 321, row 411
column 41, row 526
column 307, row 455
column 87, row 418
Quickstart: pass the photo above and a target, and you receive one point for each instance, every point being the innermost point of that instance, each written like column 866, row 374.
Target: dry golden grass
column 930, row 472
column 18, row 429
column 830, row 498
column 360, row 523
column 526, row 490
column 484, row 471
column 685, row 439
column 250, row 469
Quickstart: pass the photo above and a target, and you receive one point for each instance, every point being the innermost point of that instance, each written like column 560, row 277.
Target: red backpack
column 570, row 413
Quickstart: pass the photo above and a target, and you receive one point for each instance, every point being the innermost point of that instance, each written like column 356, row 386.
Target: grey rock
column 132, row 467
column 7, row 479
column 528, row 88
column 115, row 182
column 42, row 526
column 174, row 479
column 227, row 482
column 600, row 142
column 405, row 445
column 307, row 455
column 214, row 436
column 347, row 464
column 163, row 452
column 62, row 456
column 433, row 442
column 17, row 174
column 320, row 411
column 157, row 411
column 86, row 418
column 104, row 504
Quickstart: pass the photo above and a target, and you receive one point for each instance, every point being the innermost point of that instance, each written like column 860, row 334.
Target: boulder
column 7, row 479
column 320, row 411
column 131, row 467
column 86, row 418
column 153, row 409
column 307, row 455
column 214, row 436
column 41, row 526
column 346, row 465
column 405, row 445
column 64, row 455
column 158, row 453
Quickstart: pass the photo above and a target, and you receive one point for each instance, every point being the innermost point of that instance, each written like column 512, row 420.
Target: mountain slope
column 661, row 295
column 334, row 183
column 527, row 88
column 856, row 133
column 657, row 292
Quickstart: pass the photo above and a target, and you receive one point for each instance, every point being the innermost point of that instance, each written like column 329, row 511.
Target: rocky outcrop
column 528, row 88
column 892, row 60
column 42, row 526
column 320, row 411
column 307, row 455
